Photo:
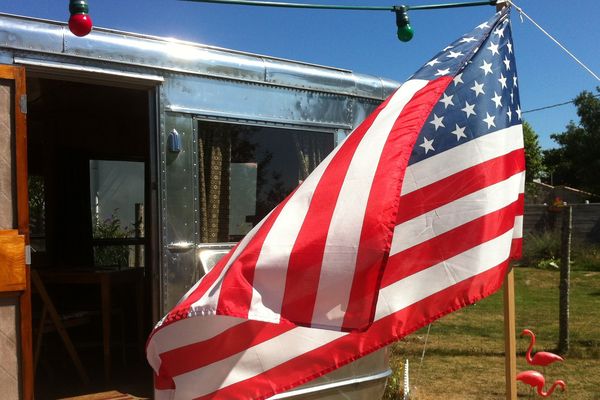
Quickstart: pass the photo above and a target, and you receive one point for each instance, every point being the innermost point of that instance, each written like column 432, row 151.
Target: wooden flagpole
column 510, row 345
column 510, row 348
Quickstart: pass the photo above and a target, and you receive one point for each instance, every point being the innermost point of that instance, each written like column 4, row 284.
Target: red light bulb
column 80, row 24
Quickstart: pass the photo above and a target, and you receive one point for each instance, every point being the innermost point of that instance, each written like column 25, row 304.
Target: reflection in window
column 117, row 209
column 245, row 171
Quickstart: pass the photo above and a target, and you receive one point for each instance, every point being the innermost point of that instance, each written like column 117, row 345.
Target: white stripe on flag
column 269, row 274
column 462, row 157
column 422, row 284
column 163, row 394
column 185, row 332
column 452, row 215
column 518, row 229
column 250, row 362
column 343, row 237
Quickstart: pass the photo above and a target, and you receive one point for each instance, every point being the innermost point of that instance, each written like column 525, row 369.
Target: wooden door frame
column 17, row 75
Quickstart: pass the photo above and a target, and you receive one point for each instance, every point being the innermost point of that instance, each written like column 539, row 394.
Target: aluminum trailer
column 276, row 117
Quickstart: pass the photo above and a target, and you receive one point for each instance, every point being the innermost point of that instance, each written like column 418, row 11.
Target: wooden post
column 510, row 346
column 565, row 278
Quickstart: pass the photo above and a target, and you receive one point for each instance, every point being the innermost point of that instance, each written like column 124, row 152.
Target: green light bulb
column 405, row 33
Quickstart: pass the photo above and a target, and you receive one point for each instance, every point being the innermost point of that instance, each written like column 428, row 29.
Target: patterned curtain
column 214, row 164
column 309, row 152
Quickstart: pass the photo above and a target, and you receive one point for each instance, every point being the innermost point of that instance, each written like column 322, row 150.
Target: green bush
column 586, row 257
column 541, row 250
column 112, row 255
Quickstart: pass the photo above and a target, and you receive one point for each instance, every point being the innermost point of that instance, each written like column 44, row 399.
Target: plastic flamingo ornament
column 536, row 380
column 541, row 358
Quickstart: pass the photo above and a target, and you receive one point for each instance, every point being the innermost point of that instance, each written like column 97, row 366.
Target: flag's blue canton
column 483, row 96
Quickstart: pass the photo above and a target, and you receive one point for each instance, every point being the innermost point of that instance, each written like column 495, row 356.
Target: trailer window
column 245, row 171
column 117, row 209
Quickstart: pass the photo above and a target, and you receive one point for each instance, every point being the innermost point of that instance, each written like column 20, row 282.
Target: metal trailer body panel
column 191, row 83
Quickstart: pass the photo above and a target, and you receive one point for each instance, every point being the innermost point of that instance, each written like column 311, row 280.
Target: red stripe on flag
column 516, row 249
column 520, row 205
column 227, row 343
column 461, row 184
column 449, row 244
column 348, row 348
column 383, row 203
column 163, row 382
column 306, row 258
column 235, row 295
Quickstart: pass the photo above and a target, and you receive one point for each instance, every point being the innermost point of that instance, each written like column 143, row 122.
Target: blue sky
column 366, row 41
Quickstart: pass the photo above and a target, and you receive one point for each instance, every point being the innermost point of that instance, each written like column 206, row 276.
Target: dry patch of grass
column 464, row 355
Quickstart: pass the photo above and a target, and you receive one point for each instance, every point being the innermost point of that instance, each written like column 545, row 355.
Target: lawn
column 464, row 351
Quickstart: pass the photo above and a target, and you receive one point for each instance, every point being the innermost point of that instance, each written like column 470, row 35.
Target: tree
column 576, row 162
column 533, row 153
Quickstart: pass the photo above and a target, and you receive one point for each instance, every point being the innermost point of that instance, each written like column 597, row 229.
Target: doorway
column 90, row 150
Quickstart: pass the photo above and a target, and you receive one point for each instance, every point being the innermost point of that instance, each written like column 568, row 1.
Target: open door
column 16, row 376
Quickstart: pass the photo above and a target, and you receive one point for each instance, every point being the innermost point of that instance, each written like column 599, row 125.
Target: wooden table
column 107, row 279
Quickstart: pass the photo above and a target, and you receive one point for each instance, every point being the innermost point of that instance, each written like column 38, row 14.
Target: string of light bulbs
column 405, row 31
column 80, row 23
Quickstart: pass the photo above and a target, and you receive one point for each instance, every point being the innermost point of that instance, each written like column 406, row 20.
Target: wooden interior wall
column 10, row 381
column 7, row 182
column 9, row 342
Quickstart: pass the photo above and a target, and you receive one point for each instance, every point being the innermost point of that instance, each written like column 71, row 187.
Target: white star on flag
column 427, row 145
column 502, row 81
column 457, row 79
column 433, row 62
column 459, row 132
column 437, row 122
column 447, row 100
column 486, row 67
column 454, row 55
column 469, row 109
column 499, row 32
column 442, row 72
column 497, row 99
column 489, row 120
column 477, row 88
column 493, row 48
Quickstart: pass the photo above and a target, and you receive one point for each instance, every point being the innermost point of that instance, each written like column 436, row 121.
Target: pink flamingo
column 536, row 380
column 542, row 358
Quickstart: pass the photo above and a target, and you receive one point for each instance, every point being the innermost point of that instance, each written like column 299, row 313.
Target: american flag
column 415, row 215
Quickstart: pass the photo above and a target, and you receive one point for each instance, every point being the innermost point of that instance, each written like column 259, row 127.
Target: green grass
column 464, row 355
